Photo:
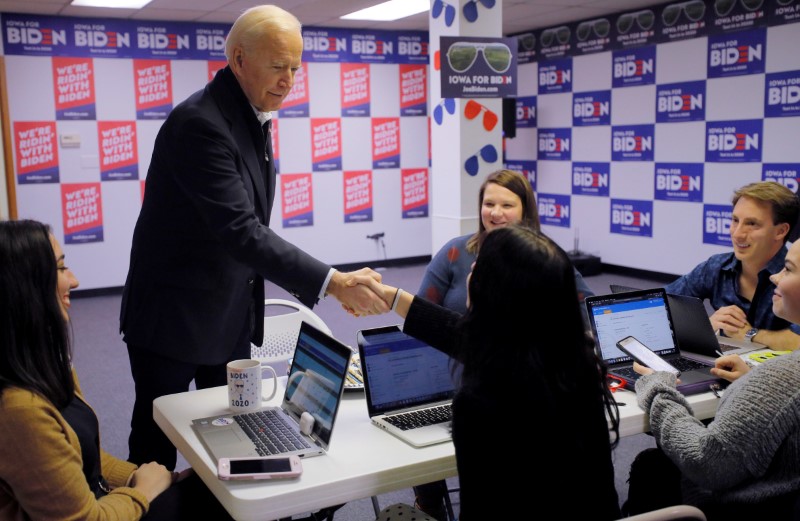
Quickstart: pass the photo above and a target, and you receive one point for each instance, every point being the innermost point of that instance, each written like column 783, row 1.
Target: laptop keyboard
column 681, row 364
column 421, row 418
column 270, row 432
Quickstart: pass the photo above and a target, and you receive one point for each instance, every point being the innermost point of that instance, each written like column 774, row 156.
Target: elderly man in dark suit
column 202, row 246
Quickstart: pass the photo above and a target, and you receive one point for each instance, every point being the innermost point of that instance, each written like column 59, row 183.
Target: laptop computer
column 644, row 314
column 315, row 385
column 695, row 334
column 408, row 385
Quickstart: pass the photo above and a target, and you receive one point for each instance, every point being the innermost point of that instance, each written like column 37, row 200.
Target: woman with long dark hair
column 51, row 463
column 526, row 361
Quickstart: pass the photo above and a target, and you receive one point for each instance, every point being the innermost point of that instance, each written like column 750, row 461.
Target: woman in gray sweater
column 745, row 464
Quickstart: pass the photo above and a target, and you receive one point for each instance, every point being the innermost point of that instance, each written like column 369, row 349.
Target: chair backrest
column 281, row 331
column 673, row 513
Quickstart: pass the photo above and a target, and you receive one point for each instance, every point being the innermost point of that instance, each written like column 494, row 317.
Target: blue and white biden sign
column 554, row 209
column 717, row 220
column 632, row 217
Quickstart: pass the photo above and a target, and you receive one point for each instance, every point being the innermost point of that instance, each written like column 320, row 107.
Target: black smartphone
column 645, row 356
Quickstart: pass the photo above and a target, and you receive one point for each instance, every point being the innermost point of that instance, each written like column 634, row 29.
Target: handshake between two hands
column 361, row 292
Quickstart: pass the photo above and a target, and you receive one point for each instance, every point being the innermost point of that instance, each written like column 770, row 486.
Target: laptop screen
column 402, row 371
column 642, row 314
column 316, row 380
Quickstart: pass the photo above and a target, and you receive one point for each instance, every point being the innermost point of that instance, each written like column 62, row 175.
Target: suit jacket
column 202, row 245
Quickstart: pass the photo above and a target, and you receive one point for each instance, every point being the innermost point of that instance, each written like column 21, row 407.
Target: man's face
column 266, row 71
column 756, row 239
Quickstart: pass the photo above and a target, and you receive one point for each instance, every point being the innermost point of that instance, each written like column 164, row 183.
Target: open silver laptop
column 315, row 385
column 408, row 385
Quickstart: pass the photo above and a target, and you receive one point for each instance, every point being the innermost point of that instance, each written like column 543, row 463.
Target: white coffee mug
column 245, row 381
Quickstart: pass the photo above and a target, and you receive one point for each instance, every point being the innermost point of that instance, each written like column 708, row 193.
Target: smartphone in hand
column 267, row 467
column 645, row 356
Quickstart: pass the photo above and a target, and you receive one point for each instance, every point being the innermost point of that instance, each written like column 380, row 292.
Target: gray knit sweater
column 750, row 452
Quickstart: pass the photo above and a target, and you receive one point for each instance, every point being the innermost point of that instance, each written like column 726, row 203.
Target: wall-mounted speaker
column 510, row 117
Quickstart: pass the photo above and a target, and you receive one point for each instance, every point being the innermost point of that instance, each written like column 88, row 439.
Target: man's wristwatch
column 750, row 334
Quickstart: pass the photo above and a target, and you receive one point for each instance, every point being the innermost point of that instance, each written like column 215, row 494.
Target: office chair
column 673, row 513
column 281, row 331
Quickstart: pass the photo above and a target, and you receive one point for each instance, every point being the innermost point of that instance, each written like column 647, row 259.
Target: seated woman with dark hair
column 51, row 464
column 526, row 359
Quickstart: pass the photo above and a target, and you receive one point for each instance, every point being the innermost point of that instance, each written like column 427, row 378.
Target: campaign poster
column 783, row 12
column 73, row 87
column 679, row 182
column 414, row 192
column 119, row 157
column 36, row 151
column 591, row 108
column 357, row 196
column 679, row 102
column 734, row 141
column 738, row 53
column 593, row 36
column 782, row 94
column 153, row 88
column 413, row 48
column 632, row 217
column 354, row 78
column 554, row 209
column 325, row 45
column 591, row 179
column 372, row 46
column 555, row 42
column 634, row 67
column 82, row 212
column 683, row 20
column 635, row 28
column 298, row 201
column 385, row 143
column 555, row 144
column 214, row 66
column 295, row 105
column 326, row 144
column 526, row 168
column 526, row 112
column 729, row 15
column 526, row 47
column 787, row 174
column 413, row 90
column 717, row 219
column 474, row 67
column 632, row 142
column 555, row 76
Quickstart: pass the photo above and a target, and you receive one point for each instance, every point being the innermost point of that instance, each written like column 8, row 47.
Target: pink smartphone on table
column 267, row 467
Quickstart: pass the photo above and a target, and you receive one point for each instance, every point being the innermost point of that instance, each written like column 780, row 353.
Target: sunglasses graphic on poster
column 475, row 67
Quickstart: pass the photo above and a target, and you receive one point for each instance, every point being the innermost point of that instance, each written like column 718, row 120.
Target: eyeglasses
column 785, row 2
column 601, row 28
column 449, row 11
column 449, row 105
column 462, row 55
column 473, row 108
column 644, row 18
column 488, row 153
column 694, row 9
column 526, row 42
column 724, row 7
column 560, row 33
column 471, row 8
